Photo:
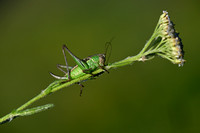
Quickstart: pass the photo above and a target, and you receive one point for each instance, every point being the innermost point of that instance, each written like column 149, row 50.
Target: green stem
column 153, row 47
column 36, row 98
column 56, row 85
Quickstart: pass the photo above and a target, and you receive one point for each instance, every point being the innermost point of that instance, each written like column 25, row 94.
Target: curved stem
column 154, row 46
column 59, row 84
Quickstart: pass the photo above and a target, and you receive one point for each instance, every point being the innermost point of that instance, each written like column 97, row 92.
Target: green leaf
column 35, row 110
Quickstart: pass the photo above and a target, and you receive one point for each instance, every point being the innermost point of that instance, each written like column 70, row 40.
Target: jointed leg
column 63, row 66
column 81, row 90
column 83, row 65
column 67, row 67
column 57, row 77
column 104, row 69
column 60, row 68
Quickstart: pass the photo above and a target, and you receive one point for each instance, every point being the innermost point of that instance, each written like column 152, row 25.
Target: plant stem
column 170, row 48
column 58, row 84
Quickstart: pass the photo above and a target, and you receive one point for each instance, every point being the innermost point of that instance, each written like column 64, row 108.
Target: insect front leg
column 101, row 67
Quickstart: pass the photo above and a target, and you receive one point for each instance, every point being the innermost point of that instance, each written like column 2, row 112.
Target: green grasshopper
column 84, row 66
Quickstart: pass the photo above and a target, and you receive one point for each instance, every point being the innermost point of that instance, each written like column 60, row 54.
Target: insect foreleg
column 104, row 69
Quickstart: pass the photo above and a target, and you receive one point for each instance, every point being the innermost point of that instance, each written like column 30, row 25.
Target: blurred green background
column 147, row 97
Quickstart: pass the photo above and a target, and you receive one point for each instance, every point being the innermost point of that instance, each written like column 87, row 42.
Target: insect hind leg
column 67, row 67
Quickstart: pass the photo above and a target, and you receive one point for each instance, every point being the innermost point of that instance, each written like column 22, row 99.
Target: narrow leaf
column 35, row 110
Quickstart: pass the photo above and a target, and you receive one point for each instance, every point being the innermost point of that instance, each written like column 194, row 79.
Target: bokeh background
column 146, row 97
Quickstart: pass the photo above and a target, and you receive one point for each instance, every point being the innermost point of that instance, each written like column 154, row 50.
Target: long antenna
column 107, row 46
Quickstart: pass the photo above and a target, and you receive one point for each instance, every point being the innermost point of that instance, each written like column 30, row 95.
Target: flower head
column 170, row 46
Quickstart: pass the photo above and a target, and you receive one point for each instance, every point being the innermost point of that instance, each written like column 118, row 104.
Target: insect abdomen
column 92, row 62
column 76, row 72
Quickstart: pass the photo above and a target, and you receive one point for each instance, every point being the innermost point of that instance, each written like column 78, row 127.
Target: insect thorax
column 96, row 61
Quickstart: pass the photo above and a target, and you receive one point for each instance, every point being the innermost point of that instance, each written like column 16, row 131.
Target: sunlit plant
column 164, row 42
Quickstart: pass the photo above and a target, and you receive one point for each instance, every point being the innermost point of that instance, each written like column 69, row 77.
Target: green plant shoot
column 164, row 42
